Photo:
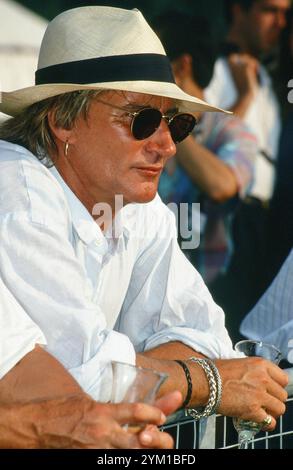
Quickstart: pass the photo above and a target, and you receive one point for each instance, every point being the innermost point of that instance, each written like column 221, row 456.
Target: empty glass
column 135, row 384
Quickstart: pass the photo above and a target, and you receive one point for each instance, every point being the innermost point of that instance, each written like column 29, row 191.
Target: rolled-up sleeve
column 167, row 299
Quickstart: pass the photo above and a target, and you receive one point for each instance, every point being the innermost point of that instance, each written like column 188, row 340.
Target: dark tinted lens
column 181, row 125
column 145, row 123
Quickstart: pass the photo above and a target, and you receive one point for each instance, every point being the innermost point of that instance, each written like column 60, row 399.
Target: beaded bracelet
column 215, row 386
column 189, row 382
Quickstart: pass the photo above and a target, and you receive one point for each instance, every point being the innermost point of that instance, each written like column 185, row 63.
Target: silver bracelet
column 215, row 389
column 219, row 384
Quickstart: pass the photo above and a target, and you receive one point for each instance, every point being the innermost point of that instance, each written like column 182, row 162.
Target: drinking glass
column 132, row 384
column 247, row 429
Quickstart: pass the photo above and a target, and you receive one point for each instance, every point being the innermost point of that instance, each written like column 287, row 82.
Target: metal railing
column 218, row 431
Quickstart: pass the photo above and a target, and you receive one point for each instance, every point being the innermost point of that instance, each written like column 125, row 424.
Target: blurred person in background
column 243, row 84
column 283, row 73
column 280, row 228
column 271, row 319
column 213, row 166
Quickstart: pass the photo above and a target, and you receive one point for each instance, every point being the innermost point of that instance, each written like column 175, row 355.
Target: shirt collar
column 86, row 227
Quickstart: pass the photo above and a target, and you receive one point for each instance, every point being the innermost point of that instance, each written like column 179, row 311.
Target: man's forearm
column 172, row 350
column 40, row 424
column 24, row 416
column 242, row 105
column 162, row 359
column 37, row 375
column 207, row 171
column 15, row 431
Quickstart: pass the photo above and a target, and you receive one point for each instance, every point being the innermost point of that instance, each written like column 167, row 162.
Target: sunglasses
column 147, row 120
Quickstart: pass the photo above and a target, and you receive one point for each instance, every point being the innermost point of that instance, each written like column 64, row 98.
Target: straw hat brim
column 15, row 102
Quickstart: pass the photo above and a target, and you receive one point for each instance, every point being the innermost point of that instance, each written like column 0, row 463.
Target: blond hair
column 31, row 129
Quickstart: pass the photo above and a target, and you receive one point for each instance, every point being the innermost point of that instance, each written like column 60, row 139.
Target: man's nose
column 161, row 141
column 165, row 139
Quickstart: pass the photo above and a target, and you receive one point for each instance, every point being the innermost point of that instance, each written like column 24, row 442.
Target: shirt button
column 98, row 242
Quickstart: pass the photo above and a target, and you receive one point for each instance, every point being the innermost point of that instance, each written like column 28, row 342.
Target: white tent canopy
column 21, row 33
column 19, row 26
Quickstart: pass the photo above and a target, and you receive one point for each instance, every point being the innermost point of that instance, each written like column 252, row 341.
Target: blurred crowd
column 238, row 167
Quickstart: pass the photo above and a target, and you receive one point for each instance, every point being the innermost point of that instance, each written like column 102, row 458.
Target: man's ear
column 60, row 133
column 182, row 66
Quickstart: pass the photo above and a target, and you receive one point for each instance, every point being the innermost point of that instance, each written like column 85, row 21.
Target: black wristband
column 189, row 382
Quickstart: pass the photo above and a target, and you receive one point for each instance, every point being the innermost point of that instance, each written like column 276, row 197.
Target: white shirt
column 262, row 117
column 77, row 285
column 15, row 324
column 271, row 320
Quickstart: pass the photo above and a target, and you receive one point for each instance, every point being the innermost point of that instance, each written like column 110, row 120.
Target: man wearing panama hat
column 93, row 133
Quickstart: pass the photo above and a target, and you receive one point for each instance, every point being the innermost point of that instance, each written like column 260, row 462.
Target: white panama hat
column 100, row 48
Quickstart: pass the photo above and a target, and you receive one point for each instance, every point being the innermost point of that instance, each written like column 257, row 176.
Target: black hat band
column 120, row 68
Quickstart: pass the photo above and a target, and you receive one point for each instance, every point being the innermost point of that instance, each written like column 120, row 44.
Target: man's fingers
column 125, row 440
column 169, row 403
column 273, row 406
column 259, row 416
column 274, row 389
column 152, row 438
column 138, row 413
column 278, row 375
column 268, row 427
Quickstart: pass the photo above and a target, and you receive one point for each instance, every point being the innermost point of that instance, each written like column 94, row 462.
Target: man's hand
column 72, row 419
column 244, row 69
column 78, row 422
column 252, row 388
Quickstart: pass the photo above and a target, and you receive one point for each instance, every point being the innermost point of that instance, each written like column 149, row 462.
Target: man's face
column 109, row 160
column 263, row 23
